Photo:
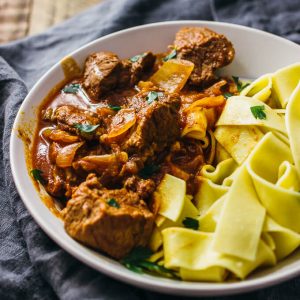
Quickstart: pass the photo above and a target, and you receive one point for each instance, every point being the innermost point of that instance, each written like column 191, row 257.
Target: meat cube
column 143, row 64
column 143, row 187
column 113, row 221
column 207, row 49
column 67, row 116
column 101, row 73
column 157, row 125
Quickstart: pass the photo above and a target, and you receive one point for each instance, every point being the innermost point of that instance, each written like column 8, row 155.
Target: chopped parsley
column 37, row 175
column 258, row 112
column 191, row 223
column 227, row 95
column 136, row 261
column 239, row 84
column 153, row 96
column 171, row 55
column 148, row 171
column 86, row 128
column 136, row 57
column 72, row 88
column 113, row 203
column 115, row 108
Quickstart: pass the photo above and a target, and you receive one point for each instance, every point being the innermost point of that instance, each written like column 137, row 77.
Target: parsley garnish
column 148, row 171
column 258, row 112
column 136, row 261
column 72, row 88
column 115, row 108
column 86, row 128
column 191, row 223
column 113, row 203
column 171, row 55
column 37, row 175
column 227, row 95
column 136, row 57
column 239, row 84
column 153, row 96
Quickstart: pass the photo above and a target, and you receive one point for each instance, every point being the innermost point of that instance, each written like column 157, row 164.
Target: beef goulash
column 107, row 139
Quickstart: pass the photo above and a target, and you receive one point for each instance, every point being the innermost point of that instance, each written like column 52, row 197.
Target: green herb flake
column 171, row 55
column 191, row 223
column 86, row 128
column 37, row 175
column 136, row 57
column 113, row 203
column 153, row 96
column 227, row 95
column 148, row 171
column 239, row 84
column 115, row 108
column 136, row 261
column 71, row 88
column 258, row 112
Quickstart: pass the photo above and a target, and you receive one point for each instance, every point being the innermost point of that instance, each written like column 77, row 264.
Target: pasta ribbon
column 259, row 89
column 238, row 141
column 242, row 217
column 171, row 195
column 283, row 205
column 285, row 81
column 293, row 124
column 237, row 111
column 193, row 250
column 286, row 240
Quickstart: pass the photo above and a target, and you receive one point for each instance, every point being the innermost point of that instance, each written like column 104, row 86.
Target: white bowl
column 257, row 52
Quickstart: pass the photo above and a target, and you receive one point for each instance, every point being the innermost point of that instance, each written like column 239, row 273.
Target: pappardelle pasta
column 248, row 204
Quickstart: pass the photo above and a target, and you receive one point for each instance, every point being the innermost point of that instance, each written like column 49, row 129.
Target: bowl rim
column 147, row 282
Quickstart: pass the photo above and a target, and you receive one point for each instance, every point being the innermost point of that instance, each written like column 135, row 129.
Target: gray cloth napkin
column 31, row 265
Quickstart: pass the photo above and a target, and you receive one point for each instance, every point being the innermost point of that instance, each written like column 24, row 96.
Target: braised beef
column 143, row 187
column 113, row 221
column 156, row 128
column 207, row 49
column 67, row 116
column 144, row 63
column 101, row 73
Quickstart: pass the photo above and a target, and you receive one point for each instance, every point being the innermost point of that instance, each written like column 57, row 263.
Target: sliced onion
column 173, row 75
column 66, row 155
column 102, row 162
column 62, row 136
column 207, row 102
column 121, row 122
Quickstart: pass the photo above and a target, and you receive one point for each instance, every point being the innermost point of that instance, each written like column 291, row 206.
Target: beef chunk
column 143, row 187
column 143, row 64
column 206, row 49
column 67, row 116
column 101, row 73
column 104, row 71
column 114, row 227
column 157, row 126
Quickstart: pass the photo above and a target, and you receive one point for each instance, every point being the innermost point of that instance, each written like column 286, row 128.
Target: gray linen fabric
column 31, row 265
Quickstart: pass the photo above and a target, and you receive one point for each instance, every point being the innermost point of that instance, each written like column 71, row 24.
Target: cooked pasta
column 248, row 203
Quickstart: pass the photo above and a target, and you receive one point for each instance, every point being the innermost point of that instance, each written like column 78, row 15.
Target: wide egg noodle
column 213, row 183
column 239, row 228
column 213, row 274
column 259, row 89
column 237, row 111
column 238, row 141
column 285, row 240
column 293, row 125
column 285, row 81
column 193, row 250
column 196, row 124
column 283, row 205
column 288, row 177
